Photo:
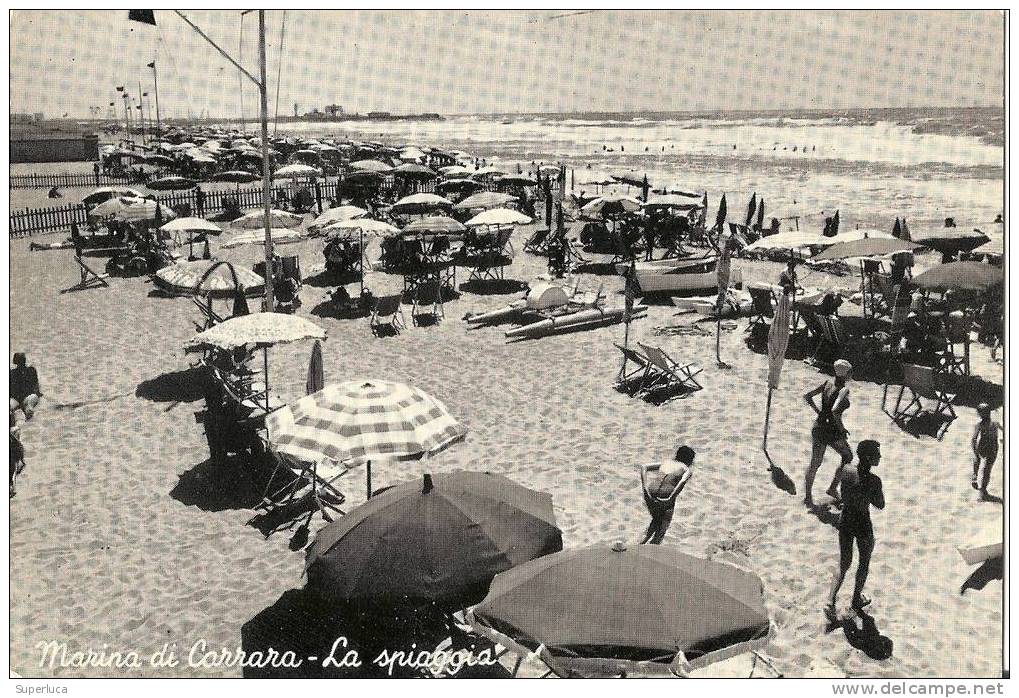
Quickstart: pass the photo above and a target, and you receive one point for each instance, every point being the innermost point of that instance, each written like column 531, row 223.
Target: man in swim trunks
column 661, row 484
column 861, row 489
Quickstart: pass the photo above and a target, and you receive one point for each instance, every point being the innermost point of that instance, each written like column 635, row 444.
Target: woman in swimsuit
column 861, row 489
column 660, row 485
column 828, row 429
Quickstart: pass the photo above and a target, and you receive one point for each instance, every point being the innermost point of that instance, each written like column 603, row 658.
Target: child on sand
column 861, row 489
column 985, row 446
column 661, row 483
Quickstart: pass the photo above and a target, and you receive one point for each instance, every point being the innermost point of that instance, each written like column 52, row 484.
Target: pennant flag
column 150, row 65
column 143, row 16
column 120, row 88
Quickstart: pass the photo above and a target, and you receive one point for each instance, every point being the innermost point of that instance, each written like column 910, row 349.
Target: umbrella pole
column 368, row 478
column 767, row 419
column 265, row 366
column 361, row 263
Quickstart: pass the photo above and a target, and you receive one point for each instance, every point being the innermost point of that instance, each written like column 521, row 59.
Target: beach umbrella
column 213, row 278
column 484, row 200
column 280, row 236
column 277, row 219
column 778, row 341
column 951, row 241
column 420, row 203
column 371, row 166
column 760, row 214
column 604, row 610
column 412, row 153
column 171, row 184
column 548, row 169
column 489, row 171
column 897, row 229
column 499, row 216
column 751, row 208
column 791, row 240
column 611, row 205
column 296, row 171
column 518, row 180
column 106, row 193
column 366, row 226
column 158, row 160
column 414, row 171
column 720, row 216
column 434, row 225
column 865, row 247
column 458, row 185
column 905, row 231
column 440, row 539
column 336, row 214
column 262, row 329
column 455, row 171
column 996, row 247
column 129, row 208
column 960, row 276
column 631, row 178
column 362, row 177
column 361, row 420
column 235, row 176
column 670, row 201
column 316, row 377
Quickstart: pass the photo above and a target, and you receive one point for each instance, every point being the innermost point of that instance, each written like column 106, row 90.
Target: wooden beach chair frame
column 305, row 474
column 89, row 278
column 427, row 300
column 537, row 244
column 634, row 382
column 922, row 383
column 832, row 338
column 390, row 307
column 671, row 373
column 762, row 309
column 957, row 331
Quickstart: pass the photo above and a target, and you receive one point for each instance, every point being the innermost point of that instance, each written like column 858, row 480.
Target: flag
column 151, row 65
column 778, row 339
column 143, row 16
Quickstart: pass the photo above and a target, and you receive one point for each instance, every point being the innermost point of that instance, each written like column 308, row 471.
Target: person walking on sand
column 25, row 391
column 985, row 447
column 828, row 430
column 661, row 484
column 861, row 490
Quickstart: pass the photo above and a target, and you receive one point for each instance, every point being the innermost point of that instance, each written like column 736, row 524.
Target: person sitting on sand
column 985, row 447
column 661, row 483
column 828, row 430
column 25, row 391
column 787, row 279
column 861, row 489
column 55, row 193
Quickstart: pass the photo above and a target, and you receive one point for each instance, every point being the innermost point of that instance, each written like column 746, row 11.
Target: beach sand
column 122, row 534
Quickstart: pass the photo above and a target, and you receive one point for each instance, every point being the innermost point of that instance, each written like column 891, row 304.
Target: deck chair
column 922, row 383
column 882, row 295
column 249, row 402
column 633, row 381
column 211, row 317
column 387, row 310
column 89, row 278
column 538, row 242
column 319, row 478
column 957, row 328
column 761, row 309
column 292, row 269
column 671, row 374
column 832, row 344
column 427, row 300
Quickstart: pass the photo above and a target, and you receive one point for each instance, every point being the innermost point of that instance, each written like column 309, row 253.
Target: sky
column 454, row 62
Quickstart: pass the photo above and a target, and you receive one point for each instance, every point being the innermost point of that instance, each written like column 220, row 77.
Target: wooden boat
column 592, row 317
column 676, row 276
column 986, row 544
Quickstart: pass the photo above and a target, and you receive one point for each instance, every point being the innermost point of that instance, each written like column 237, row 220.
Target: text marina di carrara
column 200, row 655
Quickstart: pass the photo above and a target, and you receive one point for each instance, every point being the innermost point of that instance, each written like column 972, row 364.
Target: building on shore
column 54, row 147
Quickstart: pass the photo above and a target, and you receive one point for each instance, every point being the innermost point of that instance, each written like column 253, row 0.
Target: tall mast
column 264, row 114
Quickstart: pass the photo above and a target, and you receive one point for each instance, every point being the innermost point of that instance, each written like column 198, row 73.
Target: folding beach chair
column 387, row 311
column 922, row 383
column 636, row 373
column 292, row 269
column 882, row 295
column 319, row 478
column 427, row 301
column 671, row 374
column 210, row 317
column 761, row 309
column 89, row 279
column 538, row 242
column 832, row 342
column 957, row 328
column 250, row 402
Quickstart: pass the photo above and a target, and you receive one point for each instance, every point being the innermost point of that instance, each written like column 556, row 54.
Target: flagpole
column 155, row 78
column 267, row 204
column 141, row 109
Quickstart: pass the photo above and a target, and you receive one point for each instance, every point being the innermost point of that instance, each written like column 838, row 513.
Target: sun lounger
column 671, row 375
column 761, row 310
column 538, row 242
column 634, row 380
column 387, row 311
column 89, row 279
column 922, row 383
column 319, row 478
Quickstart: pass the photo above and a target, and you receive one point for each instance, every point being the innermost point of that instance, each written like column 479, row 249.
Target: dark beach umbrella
column 158, row 160
column 951, row 241
column 441, row 539
column 835, row 223
column 720, row 217
column 598, row 610
column 960, row 276
column 897, row 229
column 760, row 214
column 414, row 171
column 867, row 247
column 750, row 209
column 235, row 176
column 171, row 183
column 517, row 180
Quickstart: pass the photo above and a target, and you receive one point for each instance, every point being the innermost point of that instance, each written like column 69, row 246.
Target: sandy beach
column 123, row 534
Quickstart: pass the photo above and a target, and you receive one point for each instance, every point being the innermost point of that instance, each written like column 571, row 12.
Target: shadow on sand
column 187, row 385
column 220, row 486
column 493, row 287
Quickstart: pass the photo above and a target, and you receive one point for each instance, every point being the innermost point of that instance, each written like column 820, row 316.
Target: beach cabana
column 610, row 611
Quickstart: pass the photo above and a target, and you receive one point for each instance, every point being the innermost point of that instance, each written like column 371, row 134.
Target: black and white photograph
column 510, row 343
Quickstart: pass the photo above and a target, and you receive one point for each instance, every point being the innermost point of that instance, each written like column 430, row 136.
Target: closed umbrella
column 316, row 376
column 750, row 209
column 724, row 271
column 760, row 214
column 604, row 610
column 420, row 203
column 499, row 216
column 213, row 278
column 439, row 539
column 778, row 341
column 280, row 236
column 720, row 216
column 960, row 276
column 897, row 229
column 484, row 200
column 360, row 420
column 277, row 219
column 171, row 184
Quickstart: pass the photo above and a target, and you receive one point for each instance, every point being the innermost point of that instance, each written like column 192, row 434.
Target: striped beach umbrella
column 360, row 420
